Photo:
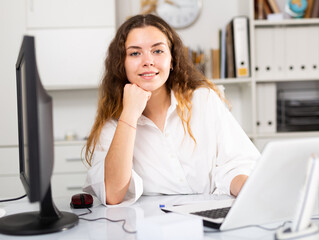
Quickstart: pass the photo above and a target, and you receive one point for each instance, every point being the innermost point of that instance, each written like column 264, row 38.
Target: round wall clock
column 179, row 13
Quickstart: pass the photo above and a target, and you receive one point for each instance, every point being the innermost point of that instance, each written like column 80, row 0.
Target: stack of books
column 232, row 59
column 265, row 8
column 197, row 57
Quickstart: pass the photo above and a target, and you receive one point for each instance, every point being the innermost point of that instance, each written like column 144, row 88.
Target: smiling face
column 148, row 58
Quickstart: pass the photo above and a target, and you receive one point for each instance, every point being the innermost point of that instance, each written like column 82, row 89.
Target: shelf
column 71, row 87
column 288, row 135
column 68, row 143
column 9, row 146
column 286, row 79
column 286, row 22
column 231, row 81
column 56, row 143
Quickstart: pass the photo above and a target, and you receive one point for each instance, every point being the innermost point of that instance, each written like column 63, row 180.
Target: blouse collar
column 142, row 120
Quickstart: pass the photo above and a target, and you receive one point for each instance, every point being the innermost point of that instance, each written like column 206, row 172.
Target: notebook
column 270, row 194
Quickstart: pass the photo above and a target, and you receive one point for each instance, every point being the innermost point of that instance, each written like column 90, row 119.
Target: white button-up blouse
column 170, row 162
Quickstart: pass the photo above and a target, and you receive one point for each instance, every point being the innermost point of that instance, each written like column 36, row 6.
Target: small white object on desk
column 170, row 226
column 302, row 227
column 310, row 233
column 2, row 212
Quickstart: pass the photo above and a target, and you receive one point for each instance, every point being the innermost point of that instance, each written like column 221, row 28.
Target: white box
column 170, row 226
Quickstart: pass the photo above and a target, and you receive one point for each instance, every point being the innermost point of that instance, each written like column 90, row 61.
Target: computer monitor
column 36, row 152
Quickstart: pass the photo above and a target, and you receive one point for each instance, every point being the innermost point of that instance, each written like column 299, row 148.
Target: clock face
column 179, row 13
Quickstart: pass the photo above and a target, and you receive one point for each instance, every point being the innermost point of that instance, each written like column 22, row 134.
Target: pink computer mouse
column 81, row 200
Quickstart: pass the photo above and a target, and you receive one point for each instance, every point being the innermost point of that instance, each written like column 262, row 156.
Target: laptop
column 270, row 194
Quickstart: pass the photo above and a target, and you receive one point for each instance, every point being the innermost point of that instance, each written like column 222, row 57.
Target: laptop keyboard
column 213, row 213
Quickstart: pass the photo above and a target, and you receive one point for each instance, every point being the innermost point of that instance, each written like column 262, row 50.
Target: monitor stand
column 48, row 220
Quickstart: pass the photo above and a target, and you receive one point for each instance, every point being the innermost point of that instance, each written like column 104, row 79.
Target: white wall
column 203, row 33
column 10, row 40
column 74, row 110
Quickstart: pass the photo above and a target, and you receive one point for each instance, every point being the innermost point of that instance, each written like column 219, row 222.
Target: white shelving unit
column 282, row 73
column 232, row 81
column 286, row 22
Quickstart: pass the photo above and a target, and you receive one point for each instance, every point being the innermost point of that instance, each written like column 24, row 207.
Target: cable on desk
column 13, row 199
column 104, row 218
column 250, row 226
column 90, row 211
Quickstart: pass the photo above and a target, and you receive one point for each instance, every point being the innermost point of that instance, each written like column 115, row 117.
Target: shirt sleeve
column 95, row 177
column 236, row 154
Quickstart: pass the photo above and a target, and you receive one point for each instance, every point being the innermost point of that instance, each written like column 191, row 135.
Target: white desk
column 102, row 229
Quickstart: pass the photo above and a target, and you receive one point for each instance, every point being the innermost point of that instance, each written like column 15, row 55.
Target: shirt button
column 166, row 134
column 181, row 180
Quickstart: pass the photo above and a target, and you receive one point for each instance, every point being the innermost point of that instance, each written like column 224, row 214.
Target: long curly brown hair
column 183, row 80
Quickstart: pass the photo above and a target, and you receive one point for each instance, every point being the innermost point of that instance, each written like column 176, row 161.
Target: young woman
column 161, row 126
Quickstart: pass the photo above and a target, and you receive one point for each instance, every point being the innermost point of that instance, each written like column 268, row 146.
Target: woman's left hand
column 237, row 183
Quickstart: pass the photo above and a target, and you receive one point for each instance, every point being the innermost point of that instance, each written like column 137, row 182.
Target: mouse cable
column 104, row 218
column 82, row 214
column 250, row 226
column 13, row 199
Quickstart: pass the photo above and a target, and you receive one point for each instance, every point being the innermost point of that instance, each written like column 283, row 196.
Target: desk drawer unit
column 10, row 183
column 68, row 176
column 67, row 159
column 69, row 170
column 9, row 160
column 11, row 187
column 67, row 184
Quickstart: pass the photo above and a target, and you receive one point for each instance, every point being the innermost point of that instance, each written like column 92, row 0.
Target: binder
column 291, row 52
column 315, row 9
column 270, row 52
column 260, row 9
column 264, row 52
column 278, row 52
column 287, row 52
column 267, row 8
column 274, row 6
column 223, row 53
column 309, row 9
column 241, row 46
column 297, row 51
column 215, row 64
column 312, row 51
column 230, row 65
column 266, row 108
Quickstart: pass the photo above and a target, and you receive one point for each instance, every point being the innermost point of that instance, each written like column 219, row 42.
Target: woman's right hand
column 134, row 102
column 119, row 158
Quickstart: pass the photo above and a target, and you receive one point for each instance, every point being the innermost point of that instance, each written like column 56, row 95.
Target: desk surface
column 102, row 229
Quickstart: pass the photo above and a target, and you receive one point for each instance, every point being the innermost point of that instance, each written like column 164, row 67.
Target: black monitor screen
column 36, row 148
column 25, row 154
